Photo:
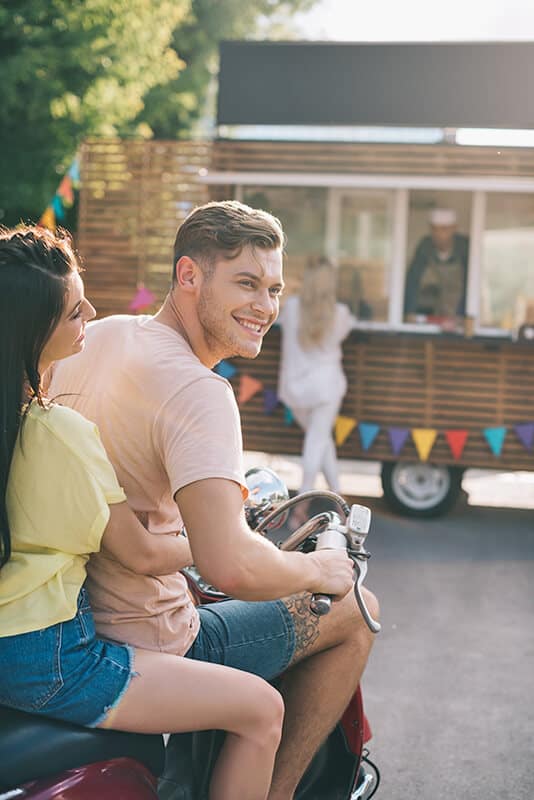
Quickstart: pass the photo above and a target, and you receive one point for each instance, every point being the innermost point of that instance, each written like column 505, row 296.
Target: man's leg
column 330, row 656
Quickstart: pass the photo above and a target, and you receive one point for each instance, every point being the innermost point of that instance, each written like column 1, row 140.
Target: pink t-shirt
column 160, row 415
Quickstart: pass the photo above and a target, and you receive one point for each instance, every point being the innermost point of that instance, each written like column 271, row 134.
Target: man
column 436, row 279
column 171, row 428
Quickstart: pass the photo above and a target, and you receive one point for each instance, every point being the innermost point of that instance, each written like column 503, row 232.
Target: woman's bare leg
column 172, row 695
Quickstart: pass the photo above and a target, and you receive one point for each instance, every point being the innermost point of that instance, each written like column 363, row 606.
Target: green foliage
column 72, row 69
column 172, row 110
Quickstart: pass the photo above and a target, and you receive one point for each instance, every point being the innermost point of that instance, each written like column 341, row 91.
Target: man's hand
column 335, row 573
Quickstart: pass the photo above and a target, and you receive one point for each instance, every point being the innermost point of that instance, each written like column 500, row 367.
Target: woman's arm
column 143, row 552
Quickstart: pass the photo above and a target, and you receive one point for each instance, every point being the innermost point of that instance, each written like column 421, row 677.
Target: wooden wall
column 411, row 381
column 134, row 196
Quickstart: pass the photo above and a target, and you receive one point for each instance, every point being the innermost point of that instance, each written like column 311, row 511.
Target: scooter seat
column 34, row 747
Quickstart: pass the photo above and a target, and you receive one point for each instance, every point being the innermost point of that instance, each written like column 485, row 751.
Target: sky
column 419, row 20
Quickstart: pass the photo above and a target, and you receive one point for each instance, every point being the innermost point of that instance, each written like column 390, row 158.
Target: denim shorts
column 64, row 671
column 255, row 637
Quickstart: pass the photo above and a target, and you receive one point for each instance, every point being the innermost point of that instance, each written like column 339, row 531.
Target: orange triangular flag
column 248, row 387
column 424, row 438
column 343, row 429
column 456, row 441
column 48, row 219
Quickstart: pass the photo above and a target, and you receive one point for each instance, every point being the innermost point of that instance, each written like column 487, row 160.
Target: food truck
column 356, row 148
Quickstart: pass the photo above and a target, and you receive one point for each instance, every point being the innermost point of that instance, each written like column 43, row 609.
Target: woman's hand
column 143, row 552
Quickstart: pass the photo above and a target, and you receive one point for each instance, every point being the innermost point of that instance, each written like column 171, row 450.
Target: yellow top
column 60, row 486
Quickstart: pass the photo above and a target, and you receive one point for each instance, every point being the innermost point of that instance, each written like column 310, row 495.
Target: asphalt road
column 449, row 688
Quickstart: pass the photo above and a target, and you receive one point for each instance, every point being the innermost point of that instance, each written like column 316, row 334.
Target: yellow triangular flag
column 424, row 439
column 48, row 219
column 344, row 427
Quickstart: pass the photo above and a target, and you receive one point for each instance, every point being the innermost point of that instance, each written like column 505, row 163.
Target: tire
column 418, row 489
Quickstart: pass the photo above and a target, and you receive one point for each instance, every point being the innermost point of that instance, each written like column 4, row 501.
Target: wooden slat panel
column 134, row 196
column 317, row 157
column 389, row 385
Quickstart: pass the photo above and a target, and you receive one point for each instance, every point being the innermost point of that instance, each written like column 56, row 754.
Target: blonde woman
column 311, row 379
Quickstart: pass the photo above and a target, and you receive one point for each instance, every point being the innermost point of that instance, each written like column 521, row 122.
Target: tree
column 171, row 110
column 71, row 70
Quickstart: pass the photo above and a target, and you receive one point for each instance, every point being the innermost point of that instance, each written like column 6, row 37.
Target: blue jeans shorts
column 255, row 637
column 64, row 671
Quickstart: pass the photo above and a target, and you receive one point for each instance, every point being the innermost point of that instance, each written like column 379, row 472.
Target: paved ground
column 449, row 689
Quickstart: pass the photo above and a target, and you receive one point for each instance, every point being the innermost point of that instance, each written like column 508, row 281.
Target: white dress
column 308, row 378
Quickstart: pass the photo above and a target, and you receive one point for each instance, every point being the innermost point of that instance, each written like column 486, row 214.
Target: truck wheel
column 418, row 489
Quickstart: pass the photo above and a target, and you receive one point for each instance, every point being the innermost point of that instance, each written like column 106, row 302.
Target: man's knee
column 353, row 626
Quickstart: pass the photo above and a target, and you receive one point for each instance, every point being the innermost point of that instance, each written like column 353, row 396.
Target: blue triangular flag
column 288, row 416
column 495, row 438
column 368, row 432
column 74, row 171
column 57, row 205
column 225, row 370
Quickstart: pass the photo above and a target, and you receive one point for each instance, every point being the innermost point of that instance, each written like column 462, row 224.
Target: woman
column 311, row 380
column 59, row 502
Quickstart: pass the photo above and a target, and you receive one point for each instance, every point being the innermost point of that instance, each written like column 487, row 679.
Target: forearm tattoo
column 306, row 625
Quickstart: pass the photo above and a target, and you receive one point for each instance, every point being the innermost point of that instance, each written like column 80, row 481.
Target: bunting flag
column 368, row 432
column 270, row 400
column 63, row 198
column 288, row 416
column 143, row 299
column 424, row 439
column 343, row 428
column 525, row 434
column 495, row 438
column 65, row 190
column 57, row 205
column 48, row 219
column 397, row 438
column 225, row 370
column 456, row 440
column 248, row 387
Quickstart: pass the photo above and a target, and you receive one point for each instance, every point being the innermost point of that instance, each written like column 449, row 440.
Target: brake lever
column 359, row 559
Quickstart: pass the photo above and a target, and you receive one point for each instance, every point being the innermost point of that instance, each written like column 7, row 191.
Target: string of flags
column 63, row 198
column 423, row 438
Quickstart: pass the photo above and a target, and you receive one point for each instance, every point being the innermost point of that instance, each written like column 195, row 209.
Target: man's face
column 239, row 302
column 442, row 236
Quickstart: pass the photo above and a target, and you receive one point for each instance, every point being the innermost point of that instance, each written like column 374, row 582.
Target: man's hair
column 224, row 229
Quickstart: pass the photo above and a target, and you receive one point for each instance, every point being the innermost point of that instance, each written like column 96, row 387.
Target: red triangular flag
column 456, row 440
column 248, row 387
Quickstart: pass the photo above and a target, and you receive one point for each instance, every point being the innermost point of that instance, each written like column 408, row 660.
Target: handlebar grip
column 320, row 604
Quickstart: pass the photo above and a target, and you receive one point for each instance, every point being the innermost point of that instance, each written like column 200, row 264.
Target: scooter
column 43, row 759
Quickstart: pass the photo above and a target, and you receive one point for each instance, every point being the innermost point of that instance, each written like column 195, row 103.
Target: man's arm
column 244, row 564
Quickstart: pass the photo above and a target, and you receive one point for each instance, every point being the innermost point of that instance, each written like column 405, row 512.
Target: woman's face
column 69, row 334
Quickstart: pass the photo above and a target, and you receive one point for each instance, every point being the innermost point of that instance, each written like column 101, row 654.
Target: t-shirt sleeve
column 72, row 482
column 198, row 434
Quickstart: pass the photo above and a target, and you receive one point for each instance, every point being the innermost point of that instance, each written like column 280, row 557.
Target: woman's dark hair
column 35, row 265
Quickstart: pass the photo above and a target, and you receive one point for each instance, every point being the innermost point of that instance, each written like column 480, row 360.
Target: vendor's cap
column 443, row 216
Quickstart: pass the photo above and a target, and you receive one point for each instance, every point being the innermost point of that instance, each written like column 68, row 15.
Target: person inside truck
column 437, row 275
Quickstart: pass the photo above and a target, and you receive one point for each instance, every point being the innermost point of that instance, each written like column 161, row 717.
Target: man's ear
column 187, row 273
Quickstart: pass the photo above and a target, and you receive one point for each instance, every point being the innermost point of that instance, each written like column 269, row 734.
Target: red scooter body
column 43, row 759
